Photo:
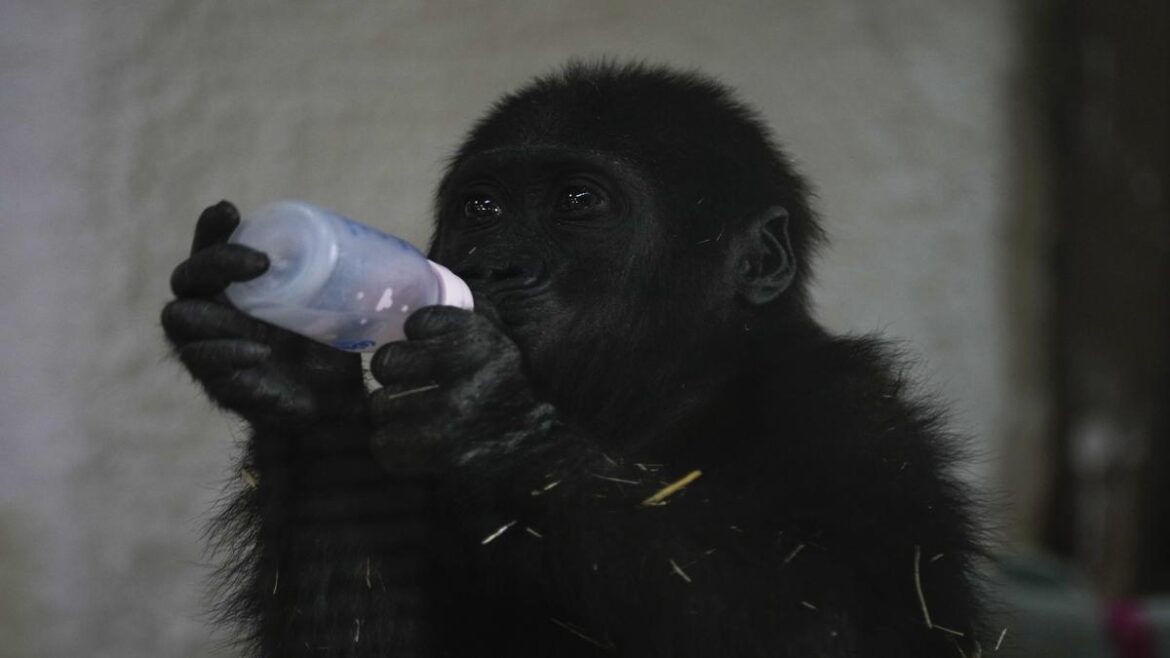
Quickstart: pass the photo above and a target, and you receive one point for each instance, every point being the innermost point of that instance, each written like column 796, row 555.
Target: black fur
column 638, row 320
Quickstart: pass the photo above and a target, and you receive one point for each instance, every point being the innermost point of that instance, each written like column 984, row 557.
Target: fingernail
column 226, row 207
column 258, row 261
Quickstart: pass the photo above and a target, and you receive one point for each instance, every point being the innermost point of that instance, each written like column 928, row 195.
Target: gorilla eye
column 579, row 200
column 481, row 207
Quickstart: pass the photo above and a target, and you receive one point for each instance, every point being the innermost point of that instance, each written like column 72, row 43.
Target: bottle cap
column 452, row 290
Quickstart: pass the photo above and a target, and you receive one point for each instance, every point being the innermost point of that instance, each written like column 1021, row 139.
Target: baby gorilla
column 639, row 444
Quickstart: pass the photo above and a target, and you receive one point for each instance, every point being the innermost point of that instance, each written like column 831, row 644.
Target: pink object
column 1130, row 630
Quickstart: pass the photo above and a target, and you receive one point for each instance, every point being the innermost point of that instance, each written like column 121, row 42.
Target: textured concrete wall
column 120, row 120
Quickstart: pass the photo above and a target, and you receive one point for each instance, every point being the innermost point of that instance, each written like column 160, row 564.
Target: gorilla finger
column 434, row 321
column 465, row 338
column 208, row 359
column 487, row 308
column 392, row 404
column 215, row 225
column 260, row 392
column 211, row 270
column 443, row 359
column 407, row 363
column 186, row 320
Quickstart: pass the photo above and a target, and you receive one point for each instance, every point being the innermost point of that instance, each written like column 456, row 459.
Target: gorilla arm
column 320, row 523
column 552, row 548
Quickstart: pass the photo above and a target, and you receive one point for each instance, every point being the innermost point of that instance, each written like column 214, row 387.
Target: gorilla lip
column 511, row 296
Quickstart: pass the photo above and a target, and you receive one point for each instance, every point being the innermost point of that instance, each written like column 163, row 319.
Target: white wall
column 120, row 120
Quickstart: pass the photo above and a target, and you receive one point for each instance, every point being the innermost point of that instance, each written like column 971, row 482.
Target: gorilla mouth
column 507, row 287
column 517, row 304
column 525, row 274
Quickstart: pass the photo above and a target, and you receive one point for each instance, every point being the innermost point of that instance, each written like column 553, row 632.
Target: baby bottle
column 336, row 281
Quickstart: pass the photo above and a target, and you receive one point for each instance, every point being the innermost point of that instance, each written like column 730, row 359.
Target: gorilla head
column 606, row 208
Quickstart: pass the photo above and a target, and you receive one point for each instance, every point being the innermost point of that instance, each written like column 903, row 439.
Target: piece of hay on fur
column 502, row 529
column 672, row 488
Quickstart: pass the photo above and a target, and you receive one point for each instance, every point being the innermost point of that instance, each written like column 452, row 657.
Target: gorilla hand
column 266, row 374
column 454, row 393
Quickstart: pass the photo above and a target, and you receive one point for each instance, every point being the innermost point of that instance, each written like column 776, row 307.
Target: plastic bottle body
column 336, row 281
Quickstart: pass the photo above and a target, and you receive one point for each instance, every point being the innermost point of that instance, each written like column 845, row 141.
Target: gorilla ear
column 768, row 265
